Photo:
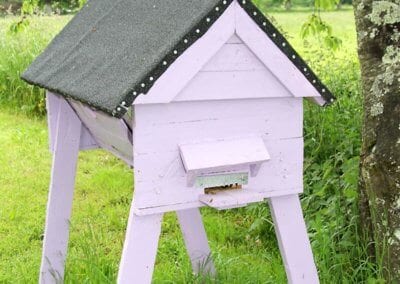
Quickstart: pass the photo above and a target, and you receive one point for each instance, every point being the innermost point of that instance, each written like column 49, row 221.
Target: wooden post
column 65, row 156
column 196, row 241
column 293, row 239
column 140, row 248
column 53, row 102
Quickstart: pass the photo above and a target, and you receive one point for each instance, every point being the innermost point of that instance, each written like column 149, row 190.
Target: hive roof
column 113, row 51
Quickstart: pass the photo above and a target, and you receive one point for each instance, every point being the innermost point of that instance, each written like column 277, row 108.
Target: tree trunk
column 378, row 24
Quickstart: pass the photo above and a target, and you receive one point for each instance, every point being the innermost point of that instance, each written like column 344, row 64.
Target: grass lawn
column 242, row 240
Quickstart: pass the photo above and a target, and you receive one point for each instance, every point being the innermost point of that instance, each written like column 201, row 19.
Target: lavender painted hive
column 203, row 98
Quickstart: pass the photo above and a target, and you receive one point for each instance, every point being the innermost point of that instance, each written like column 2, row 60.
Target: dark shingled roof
column 112, row 51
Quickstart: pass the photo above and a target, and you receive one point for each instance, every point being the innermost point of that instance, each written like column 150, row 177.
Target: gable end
column 202, row 28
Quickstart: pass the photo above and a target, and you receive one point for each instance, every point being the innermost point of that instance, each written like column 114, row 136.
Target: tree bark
column 378, row 24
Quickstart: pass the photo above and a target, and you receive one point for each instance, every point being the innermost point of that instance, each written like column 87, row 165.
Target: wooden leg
column 59, row 205
column 140, row 249
column 293, row 239
column 196, row 240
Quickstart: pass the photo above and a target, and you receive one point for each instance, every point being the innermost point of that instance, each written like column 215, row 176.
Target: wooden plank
column 234, row 72
column 232, row 198
column 189, row 122
column 170, row 165
column 191, row 112
column 272, row 56
column 87, row 140
column 167, row 208
column 228, row 85
column 196, row 204
column 59, row 206
column 140, row 249
column 293, row 241
column 191, row 61
column 196, row 242
column 233, row 57
column 221, row 155
column 53, row 108
column 161, row 180
column 111, row 134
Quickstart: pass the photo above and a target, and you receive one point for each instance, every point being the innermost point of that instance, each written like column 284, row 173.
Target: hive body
column 221, row 127
column 233, row 96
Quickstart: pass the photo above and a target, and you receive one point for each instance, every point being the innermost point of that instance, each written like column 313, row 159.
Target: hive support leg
column 65, row 156
column 196, row 241
column 140, row 249
column 293, row 239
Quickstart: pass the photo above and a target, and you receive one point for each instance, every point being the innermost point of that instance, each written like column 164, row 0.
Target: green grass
column 242, row 240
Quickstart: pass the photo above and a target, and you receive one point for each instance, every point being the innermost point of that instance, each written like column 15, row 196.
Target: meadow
column 242, row 240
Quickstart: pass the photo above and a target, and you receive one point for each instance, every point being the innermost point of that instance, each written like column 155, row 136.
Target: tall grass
column 332, row 149
column 330, row 202
column 16, row 52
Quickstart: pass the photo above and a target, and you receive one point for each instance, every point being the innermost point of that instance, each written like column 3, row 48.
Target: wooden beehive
column 211, row 116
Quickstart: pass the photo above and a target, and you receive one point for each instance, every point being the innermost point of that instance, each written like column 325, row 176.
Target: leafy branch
column 315, row 26
column 31, row 7
column 28, row 8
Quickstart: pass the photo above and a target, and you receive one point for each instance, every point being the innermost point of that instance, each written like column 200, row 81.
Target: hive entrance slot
column 216, row 189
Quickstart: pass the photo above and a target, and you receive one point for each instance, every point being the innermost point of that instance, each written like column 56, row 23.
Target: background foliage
column 67, row 6
column 40, row 6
